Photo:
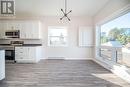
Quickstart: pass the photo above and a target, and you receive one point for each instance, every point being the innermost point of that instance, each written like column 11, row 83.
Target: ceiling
column 52, row 7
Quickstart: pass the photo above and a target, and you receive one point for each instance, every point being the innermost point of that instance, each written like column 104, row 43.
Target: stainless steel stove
column 10, row 50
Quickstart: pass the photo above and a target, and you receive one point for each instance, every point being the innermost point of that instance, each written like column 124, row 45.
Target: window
column 117, row 30
column 57, row 36
column 116, row 34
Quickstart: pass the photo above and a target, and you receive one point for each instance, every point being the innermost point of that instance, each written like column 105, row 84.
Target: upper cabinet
column 3, row 27
column 28, row 29
column 13, row 25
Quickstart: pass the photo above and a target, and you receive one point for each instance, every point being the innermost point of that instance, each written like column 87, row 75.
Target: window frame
column 113, row 16
column 57, row 27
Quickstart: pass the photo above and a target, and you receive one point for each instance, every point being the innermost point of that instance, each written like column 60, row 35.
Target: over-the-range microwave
column 12, row 34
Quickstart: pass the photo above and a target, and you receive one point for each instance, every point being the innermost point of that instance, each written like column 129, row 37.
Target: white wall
column 72, row 51
column 111, row 7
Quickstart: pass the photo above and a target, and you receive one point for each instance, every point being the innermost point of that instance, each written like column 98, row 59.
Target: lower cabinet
column 25, row 54
column 2, row 64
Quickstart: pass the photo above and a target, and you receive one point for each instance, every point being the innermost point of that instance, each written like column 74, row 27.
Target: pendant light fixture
column 65, row 13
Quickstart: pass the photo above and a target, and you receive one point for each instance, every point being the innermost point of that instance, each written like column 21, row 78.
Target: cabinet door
column 30, row 30
column 26, row 30
column 10, row 25
column 31, row 52
column 3, row 27
column 13, row 25
column 23, row 30
column 1, row 30
column 18, row 53
column 17, row 25
column 35, row 30
column 21, row 53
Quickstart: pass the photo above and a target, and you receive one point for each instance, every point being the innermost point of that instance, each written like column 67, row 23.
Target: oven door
column 9, row 54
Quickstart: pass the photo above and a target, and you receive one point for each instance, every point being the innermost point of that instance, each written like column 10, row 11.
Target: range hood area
column 12, row 34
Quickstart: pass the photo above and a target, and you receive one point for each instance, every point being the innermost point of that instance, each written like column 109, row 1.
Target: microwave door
column 12, row 34
column 9, row 33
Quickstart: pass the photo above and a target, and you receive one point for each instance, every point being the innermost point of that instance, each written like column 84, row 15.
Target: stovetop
column 12, row 47
column 20, row 45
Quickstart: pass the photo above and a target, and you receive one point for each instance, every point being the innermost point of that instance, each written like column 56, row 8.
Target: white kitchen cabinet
column 26, row 30
column 25, row 54
column 36, row 29
column 23, row 30
column 30, row 30
column 2, row 64
column 13, row 25
column 3, row 27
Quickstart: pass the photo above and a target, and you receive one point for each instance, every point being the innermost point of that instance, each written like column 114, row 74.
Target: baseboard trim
column 78, row 58
column 67, row 58
column 42, row 58
column 106, row 66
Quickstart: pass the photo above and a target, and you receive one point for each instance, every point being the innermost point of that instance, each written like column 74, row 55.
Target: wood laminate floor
column 60, row 73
